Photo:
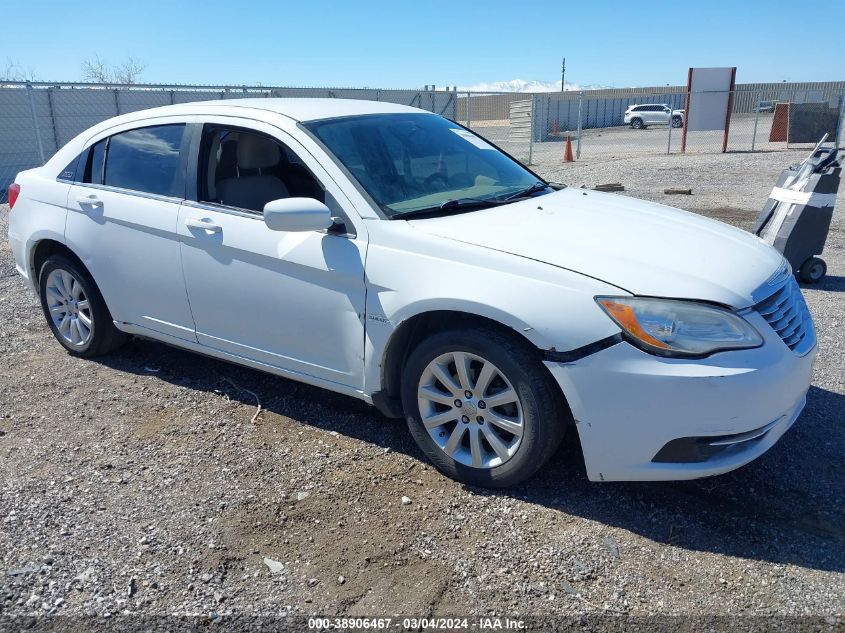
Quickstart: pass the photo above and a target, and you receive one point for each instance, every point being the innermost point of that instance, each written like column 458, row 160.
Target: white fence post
column 531, row 130
column 578, row 146
column 756, row 119
column 469, row 109
column 841, row 123
column 671, row 118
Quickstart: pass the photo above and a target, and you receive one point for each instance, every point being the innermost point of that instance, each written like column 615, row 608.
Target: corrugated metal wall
column 595, row 112
column 485, row 107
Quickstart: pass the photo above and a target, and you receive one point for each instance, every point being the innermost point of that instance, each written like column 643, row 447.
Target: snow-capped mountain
column 521, row 85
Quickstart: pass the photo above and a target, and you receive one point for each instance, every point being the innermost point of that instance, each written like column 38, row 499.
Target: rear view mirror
column 297, row 214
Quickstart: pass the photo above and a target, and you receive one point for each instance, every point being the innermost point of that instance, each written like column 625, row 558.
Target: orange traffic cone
column 567, row 156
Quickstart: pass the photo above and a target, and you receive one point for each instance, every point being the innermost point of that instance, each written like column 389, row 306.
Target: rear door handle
column 205, row 225
column 91, row 200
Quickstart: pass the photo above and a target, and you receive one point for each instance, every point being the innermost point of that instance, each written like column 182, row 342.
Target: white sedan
column 390, row 254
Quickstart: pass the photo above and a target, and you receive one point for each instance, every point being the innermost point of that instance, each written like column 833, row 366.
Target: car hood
column 641, row 247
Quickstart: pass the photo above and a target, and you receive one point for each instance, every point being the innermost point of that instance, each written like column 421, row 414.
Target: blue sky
column 396, row 43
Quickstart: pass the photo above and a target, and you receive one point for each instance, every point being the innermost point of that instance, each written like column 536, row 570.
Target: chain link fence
column 598, row 128
column 38, row 118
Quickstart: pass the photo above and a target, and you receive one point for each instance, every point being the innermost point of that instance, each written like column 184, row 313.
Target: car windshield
column 413, row 163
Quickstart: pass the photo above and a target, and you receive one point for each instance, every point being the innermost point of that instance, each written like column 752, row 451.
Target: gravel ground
column 138, row 484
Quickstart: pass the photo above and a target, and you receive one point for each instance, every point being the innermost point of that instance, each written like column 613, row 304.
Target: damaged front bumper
column 643, row 417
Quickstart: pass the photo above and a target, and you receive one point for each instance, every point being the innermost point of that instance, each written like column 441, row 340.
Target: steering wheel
column 436, row 176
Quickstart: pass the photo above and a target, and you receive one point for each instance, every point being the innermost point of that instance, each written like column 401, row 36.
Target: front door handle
column 91, row 200
column 204, row 224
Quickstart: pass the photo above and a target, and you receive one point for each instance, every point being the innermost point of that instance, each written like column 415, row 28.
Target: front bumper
column 636, row 413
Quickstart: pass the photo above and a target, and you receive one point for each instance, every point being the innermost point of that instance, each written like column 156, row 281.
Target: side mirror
column 297, row 214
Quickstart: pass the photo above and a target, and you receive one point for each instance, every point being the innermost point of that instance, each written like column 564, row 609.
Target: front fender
column 474, row 307
column 551, row 307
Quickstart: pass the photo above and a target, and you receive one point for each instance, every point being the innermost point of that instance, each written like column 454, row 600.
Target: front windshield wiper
column 456, row 205
column 459, row 205
column 537, row 187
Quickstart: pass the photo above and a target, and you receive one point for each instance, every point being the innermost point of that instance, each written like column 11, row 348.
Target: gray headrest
column 257, row 152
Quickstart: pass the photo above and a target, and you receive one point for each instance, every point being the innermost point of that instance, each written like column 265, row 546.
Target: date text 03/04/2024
column 415, row 624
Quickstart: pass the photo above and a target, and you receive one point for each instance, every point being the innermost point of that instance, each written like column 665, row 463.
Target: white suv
column 639, row 116
column 387, row 253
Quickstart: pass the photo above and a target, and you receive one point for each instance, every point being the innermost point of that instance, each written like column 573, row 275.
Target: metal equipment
column 796, row 217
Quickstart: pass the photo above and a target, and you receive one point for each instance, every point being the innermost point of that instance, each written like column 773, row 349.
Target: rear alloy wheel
column 637, row 124
column 75, row 310
column 481, row 406
column 69, row 308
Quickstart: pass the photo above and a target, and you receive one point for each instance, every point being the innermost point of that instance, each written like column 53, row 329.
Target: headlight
column 668, row 327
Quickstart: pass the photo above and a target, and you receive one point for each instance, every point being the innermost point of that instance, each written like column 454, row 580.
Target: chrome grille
column 787, row 313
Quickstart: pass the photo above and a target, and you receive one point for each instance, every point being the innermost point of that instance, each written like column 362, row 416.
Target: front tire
column 677, row 122
column 637, row 124
column 481, row 406
column 75, row 309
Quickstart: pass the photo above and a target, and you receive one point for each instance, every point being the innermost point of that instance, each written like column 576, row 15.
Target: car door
column 122, row 222
column 291, row 300
column 653, row 114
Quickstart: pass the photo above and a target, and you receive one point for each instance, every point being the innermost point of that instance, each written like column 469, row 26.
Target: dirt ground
column 137, row 484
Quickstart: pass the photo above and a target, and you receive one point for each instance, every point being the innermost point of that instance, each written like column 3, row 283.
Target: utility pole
column 562, row 75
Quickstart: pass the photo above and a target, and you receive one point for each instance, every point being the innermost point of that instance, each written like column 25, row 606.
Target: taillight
column 14, row 192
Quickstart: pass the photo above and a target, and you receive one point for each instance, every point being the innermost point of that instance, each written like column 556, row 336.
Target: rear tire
column 812, row 271
column 467, row 439
column 75, row 310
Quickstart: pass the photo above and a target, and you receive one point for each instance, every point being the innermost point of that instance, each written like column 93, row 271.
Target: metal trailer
column 796, row 217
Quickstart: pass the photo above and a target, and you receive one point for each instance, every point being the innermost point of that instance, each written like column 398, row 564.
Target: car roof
column 296, row 109
column 302, row 109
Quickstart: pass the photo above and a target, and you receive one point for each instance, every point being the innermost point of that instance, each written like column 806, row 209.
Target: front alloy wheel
column 470, row 409
column 481, row 406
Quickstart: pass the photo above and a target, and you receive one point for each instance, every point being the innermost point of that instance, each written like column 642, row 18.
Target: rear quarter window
column 96, row 161
column 69, row 172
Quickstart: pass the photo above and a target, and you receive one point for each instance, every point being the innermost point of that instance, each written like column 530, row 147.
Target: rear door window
column 147, row 160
